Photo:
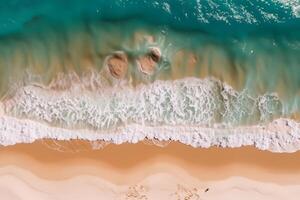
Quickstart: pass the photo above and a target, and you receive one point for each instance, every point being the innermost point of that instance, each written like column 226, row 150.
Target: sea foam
column 188, row 101
column 197, row 112
column 281, row 135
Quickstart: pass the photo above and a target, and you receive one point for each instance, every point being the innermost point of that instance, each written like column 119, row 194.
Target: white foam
column 297, row 11
column 293, row 4
column 196, row 112
column 281, row 135
column 188, row 101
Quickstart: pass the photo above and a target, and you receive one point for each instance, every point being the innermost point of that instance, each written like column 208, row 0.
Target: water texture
column 218, row 63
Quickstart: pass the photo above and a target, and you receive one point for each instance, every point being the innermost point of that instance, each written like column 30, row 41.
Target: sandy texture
column 33, row 171
column 148, row 63
column 16, row 183
column 122, row 163
column 117, row 64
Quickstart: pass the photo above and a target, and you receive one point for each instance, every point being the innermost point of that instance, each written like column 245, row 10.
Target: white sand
column 17, row 183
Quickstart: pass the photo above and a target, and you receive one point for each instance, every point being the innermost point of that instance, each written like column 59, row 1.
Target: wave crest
column 188, row 101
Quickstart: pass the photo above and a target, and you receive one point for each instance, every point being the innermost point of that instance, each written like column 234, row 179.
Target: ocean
column 219, row 63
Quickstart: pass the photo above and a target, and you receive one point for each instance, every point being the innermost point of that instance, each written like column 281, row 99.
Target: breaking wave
column 196, row 112
column 251, row 44
column 188, row 101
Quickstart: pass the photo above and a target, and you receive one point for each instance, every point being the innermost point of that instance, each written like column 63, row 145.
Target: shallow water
column 243, row 57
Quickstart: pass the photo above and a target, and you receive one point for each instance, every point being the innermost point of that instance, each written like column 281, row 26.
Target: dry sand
column 140, row 171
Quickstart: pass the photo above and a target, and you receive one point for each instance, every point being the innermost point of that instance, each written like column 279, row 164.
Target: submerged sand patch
column 117, row 64
column 147, row 63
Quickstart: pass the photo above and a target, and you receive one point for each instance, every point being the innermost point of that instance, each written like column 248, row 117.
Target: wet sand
column 120, row 163
column 141, row 171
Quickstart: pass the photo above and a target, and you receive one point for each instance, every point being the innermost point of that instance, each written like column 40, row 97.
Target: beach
column 142, row 100
column 119, row 171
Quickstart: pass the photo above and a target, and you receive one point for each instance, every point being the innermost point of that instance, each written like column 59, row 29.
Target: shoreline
column 281, row 135
column 121, row 163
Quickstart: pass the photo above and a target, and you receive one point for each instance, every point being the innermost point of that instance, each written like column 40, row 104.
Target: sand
column 24, row 185
column 148, row 62
column 140, row 171
column 117, row 64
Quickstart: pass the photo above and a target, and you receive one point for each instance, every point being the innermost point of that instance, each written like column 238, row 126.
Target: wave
column 125, row 97
column 197, row 112
column 188, row 101
column 282, row 135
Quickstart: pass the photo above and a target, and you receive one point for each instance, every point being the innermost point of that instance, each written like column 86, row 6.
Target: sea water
column 223, row 62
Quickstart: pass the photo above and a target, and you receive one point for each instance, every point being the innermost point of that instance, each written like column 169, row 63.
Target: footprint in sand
column 186, row 193
column 136, row 192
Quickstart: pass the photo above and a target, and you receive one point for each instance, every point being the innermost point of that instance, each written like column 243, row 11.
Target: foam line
column 188, row 101
column 281, row 135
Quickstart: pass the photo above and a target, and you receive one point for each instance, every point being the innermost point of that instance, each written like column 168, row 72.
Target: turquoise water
column 251, row 44
column 231, row 16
